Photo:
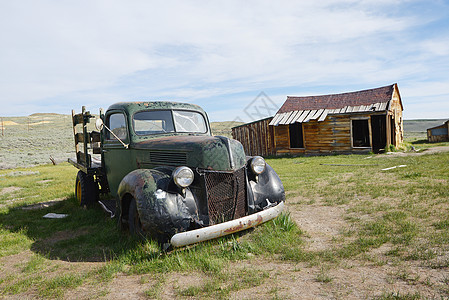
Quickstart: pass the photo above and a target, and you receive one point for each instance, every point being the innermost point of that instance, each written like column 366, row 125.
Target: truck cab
column 167, row 176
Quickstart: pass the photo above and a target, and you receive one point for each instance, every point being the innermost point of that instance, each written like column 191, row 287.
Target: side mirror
column 99, row 124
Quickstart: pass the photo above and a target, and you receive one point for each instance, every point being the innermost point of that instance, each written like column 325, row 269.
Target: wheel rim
column 78, row 192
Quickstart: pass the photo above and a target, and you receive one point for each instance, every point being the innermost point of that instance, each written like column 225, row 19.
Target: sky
column 239, row 60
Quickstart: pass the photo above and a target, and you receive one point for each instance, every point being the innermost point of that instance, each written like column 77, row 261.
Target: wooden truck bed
column 87, row 143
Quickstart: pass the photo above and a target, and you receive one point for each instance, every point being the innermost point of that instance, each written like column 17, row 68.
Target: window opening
column 117, row 124
column 360, row 133
column 153, row 122
column 163, row 121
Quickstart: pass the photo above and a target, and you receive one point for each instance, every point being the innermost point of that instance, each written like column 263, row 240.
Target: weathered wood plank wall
column 395, row 111
column 257, row 137
column 331, row 135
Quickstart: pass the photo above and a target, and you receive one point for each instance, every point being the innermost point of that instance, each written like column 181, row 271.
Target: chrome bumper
column 222, row 229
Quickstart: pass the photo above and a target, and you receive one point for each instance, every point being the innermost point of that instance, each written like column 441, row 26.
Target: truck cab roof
column 132, row 107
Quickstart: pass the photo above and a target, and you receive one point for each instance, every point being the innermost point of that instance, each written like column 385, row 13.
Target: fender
column 267, row 188
column 162, row 213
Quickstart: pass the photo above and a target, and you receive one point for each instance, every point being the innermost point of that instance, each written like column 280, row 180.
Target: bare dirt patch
column 10, row 190
column 44, row 181
column 320, row 223
column 433, row 150
column 9, row 123
column 127, row 287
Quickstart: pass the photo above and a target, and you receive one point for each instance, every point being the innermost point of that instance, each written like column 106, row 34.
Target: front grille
column 226, row 195
column 168, row 158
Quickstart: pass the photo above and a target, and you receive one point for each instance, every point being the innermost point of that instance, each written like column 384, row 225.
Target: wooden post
column 85, row 136
column 74, row 134
column 370, row 131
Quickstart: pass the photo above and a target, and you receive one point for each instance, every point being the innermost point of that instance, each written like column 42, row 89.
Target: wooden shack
column 355, row 122
column 438, row 133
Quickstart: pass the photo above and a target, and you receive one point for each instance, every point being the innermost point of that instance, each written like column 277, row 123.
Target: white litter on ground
column 400, row 166
column 55, row 216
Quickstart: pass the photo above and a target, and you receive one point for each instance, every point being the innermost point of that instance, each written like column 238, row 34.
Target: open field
column 29, row 141
column 353, row 231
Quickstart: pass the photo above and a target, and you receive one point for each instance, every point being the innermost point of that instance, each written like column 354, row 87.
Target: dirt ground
column 352, row 279
column 432, row 150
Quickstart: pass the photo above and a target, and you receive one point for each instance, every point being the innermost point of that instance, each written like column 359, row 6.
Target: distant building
column 438, row 133
column 355, row 122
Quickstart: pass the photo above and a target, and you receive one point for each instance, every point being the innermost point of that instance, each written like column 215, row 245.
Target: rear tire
column 85, row 191
column 134, row 223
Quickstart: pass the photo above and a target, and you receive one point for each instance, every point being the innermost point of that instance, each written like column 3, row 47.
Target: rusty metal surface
column 226, row 195
column 222, row 229
column 201, row 151
column 162, row 213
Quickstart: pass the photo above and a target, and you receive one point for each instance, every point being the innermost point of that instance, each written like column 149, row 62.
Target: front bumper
column 222, row 229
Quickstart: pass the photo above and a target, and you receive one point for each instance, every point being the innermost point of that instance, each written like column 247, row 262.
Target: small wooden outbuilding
column 438, row 133
column 256, row 137
column 355, row 122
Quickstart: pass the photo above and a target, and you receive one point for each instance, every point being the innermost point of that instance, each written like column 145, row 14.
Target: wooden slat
column 317, row 114
column 289, row 119
column 383, row 106
column 296, row 116
column 77, row 119
column 323, row 115
column 281, row 118
column 275, row 119
column 285, row 118
column 303, row 116
column 299, row 116
column 281, row 115
column 312, row 112
column 79, row 137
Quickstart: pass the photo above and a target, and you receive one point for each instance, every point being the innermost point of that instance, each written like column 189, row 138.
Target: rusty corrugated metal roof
column 338, row 101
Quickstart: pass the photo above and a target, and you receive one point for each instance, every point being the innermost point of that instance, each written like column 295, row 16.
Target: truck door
column 116, row 157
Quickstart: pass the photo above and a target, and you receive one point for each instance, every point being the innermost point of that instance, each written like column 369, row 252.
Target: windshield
column 162, row 121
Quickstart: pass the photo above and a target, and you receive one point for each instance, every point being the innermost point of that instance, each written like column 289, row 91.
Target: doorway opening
column 296, row 136
column 379, row 132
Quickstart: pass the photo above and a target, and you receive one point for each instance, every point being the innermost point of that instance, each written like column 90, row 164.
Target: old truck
column 166, row 177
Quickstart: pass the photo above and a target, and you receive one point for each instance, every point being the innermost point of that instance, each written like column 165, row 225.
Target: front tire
column 85, row 192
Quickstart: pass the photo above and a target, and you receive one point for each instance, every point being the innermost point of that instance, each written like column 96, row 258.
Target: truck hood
column 204, row 152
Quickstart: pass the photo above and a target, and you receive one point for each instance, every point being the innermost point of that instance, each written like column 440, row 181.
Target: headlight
column 183, row 176
column 258, row 165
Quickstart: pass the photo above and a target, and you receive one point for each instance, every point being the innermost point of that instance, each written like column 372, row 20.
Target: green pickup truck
column 167, row 177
